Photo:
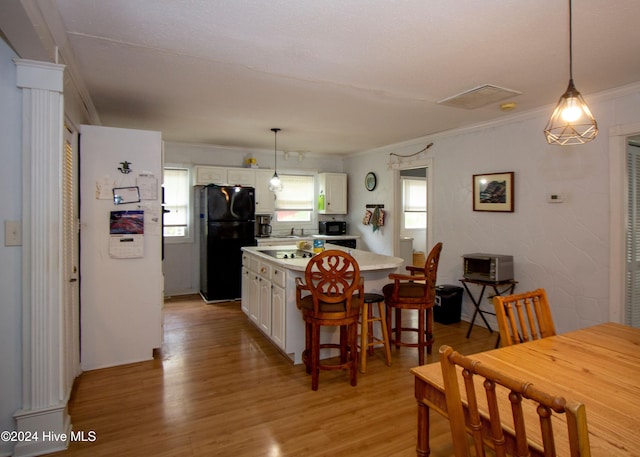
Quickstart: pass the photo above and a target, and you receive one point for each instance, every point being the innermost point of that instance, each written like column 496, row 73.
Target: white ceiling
column 337, row 76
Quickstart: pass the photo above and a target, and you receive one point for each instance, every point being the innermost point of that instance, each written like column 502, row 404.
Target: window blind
column 296, row 193
column 176, row 184
column 414, row 195
column 632, row 302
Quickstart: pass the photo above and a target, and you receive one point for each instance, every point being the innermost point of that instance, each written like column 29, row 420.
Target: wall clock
column 370, row 181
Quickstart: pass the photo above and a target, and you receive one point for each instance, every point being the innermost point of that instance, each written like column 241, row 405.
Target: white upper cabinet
column 250, row 177
column 209, row 175
column 241, row 176
column 334, row 188
column 265, row 199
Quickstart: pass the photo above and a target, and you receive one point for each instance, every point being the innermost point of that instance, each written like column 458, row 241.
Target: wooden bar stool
column 368, row 339
column 415, row 292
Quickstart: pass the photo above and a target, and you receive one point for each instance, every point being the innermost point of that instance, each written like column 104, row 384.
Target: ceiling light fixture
column 571, row 121
column 275, row 185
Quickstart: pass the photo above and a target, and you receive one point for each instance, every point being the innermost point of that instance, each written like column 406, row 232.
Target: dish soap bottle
column 321, row 201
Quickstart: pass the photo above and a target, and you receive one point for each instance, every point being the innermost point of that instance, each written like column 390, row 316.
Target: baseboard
column 52, row 426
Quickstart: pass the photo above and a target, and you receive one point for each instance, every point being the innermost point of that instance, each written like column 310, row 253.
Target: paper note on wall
column 104, row 188
column 148, row 185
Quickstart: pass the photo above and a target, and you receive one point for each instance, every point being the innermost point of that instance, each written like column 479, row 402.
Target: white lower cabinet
column 254, row 297
column 278, row 307
column 244, row 304
column 264, row 297
column 264, row 321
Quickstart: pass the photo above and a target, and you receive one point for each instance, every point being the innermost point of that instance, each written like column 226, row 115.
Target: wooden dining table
column 598, row 366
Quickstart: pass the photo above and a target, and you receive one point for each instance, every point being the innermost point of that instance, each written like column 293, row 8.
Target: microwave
column 332, row 227
column 488, row 267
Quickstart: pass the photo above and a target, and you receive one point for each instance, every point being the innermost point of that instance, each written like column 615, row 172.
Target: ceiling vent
column 479, row 97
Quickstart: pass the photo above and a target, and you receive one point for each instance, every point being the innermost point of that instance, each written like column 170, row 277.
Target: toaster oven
column 488, row 267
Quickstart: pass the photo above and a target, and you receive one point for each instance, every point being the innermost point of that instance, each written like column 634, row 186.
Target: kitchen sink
column 288, row 253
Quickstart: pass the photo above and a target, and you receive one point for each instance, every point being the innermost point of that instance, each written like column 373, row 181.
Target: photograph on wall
column 493, row 192
column 126, row 223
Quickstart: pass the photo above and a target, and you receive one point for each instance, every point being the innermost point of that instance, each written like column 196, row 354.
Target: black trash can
column 448, row 305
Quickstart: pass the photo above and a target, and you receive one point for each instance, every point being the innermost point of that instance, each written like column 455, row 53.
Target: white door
column 70, row 236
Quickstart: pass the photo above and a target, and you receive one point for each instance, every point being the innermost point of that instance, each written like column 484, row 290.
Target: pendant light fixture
column 571, row 121
column 275, row 185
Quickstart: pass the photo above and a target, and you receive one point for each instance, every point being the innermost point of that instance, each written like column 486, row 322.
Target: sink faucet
column 292, row 231
column 301, row 232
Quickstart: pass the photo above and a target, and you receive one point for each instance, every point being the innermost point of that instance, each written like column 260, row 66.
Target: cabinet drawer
column 279, row 277
column 254, row 264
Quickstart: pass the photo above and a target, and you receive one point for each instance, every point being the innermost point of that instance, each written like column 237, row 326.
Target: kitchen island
column 269, row 291
column 282, row 240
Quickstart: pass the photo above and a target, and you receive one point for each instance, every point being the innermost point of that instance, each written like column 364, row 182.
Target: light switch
column 13, row 233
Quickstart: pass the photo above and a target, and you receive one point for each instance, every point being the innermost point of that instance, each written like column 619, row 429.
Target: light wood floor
column 220, row 388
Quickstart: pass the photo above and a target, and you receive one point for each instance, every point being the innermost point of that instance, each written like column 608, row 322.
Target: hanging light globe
column 571, row 121
column 275, row 185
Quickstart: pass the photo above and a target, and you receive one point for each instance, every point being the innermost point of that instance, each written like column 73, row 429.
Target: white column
column 44, row 393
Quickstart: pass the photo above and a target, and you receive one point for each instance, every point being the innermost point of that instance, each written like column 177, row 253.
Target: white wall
column 357, row 167
column 181, row 260
column 121, row 298
column 10, row 256
column 563, row 247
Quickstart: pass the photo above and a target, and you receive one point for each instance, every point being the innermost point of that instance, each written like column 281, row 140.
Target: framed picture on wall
column 493, row 192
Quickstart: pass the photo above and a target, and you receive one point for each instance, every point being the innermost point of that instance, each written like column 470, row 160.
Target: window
column 294, row 203
column 176, row 198
column 414, row 202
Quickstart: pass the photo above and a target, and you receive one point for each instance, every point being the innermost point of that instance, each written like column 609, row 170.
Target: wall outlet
column 555, row 198
column 13, row 233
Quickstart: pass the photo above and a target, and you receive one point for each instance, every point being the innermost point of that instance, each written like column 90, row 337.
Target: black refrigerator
column 227, row 223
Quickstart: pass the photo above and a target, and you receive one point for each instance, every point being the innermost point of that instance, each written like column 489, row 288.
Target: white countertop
column 337, row 237
column 295, row 238
column 367, row 261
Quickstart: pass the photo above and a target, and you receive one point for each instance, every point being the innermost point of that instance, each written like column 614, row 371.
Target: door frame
column 397, row 199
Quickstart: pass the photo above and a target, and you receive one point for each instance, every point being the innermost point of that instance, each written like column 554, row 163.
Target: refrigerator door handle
column 232, row 206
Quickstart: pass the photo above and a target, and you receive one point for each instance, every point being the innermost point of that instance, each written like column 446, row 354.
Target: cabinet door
column 241, row 176
column 209, row 175
column 278, row 314
column 254, row 297
column 265, row 306
column 334, row 188
column 265, row 199
column 245, row 297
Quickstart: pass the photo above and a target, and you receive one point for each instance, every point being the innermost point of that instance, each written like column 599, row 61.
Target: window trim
column 190, row 237
column 312, row 224
column 405, row 211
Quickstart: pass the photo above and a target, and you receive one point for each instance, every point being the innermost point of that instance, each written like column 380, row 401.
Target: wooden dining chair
column 416, row 291
column 327, row 298
column 523, row 317
column 487, row 428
